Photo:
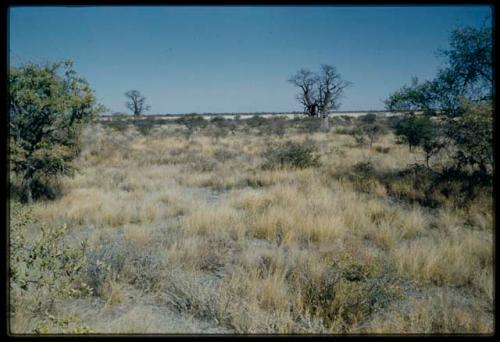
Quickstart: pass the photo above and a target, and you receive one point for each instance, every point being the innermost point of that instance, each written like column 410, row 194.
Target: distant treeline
column 254, row 113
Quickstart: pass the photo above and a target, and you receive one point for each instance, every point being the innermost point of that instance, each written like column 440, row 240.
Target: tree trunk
column 27, row 189
column 325, row 123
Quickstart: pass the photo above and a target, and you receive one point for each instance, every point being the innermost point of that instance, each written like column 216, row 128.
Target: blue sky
column 237, row 59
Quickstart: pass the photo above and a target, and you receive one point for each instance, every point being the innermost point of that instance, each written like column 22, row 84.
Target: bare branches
column 319, row 92
column 307, row 81
column 137, row 102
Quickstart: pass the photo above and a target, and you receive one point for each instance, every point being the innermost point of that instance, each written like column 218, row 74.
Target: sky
column 237, row 59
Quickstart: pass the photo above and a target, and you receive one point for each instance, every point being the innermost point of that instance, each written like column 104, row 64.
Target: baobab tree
column 331, row 86
column 319, row 94
column 307, row 81
column 136, row 103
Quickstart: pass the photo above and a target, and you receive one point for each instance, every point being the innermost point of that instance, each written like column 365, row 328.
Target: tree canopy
column 466, row 76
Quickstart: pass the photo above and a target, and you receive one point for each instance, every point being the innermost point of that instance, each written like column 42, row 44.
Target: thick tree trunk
column 27, row 185
column 325, row 124
column 28, row 189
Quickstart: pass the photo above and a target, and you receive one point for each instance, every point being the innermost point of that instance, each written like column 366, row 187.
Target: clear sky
column 237, row 59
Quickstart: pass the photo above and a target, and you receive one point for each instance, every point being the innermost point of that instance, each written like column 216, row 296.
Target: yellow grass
column 270, row 251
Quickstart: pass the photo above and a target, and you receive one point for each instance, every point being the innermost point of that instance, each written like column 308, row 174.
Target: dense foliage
column 467, row 75
column 48, row 106
column 460, row 96
column 292, row 155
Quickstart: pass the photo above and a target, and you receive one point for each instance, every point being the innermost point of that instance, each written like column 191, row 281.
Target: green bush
column 415, row 130
column 368, row 118
column 43, row 268
column 473, row 136
column 373, row 131
column 48, row 107
column 293, row 155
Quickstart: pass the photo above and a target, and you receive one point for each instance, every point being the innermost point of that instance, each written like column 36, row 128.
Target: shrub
column 473, row 137
column 145, row 125
column 369, row 118
column 43, row 269
column 373, row 131
column 293, row 155
column 310, row 125
column 192, row 120
column 415, row 130
column 48, row 108
column 277, row 126
column 358, row 135
column 256, row 121
column 364, row 169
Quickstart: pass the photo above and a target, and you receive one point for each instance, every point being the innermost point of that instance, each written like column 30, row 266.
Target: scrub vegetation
column 256, row 233
column 306, row 225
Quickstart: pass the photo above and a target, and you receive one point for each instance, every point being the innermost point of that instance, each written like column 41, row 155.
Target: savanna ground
column 194, row 226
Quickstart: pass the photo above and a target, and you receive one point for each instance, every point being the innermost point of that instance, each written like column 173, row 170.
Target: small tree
column 48, row 106
column 473, row 138
column 415, row 130
column 136, row 102
column 431, row 145
column 374, row 131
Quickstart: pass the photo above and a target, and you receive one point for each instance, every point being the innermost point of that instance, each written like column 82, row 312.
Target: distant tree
column 307, row 82
column 319, row 93
column 330, row 89
column 48, row 107
column 136, row 102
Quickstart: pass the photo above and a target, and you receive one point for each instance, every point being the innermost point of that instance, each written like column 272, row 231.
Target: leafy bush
column 358, row 135
column 256, row 121
column 43, row 269
column 65, row 324
column 47, row 261
column 192, row 120
column 368, row 118
column 415, row 130
column 145, row 125
column 373, row 131
column 293, row 155
column 473, row 136
column 48, row 108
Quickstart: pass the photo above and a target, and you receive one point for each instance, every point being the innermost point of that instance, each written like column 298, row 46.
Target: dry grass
column 193, row 229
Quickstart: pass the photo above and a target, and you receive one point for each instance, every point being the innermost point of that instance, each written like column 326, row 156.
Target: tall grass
column 188, row 233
